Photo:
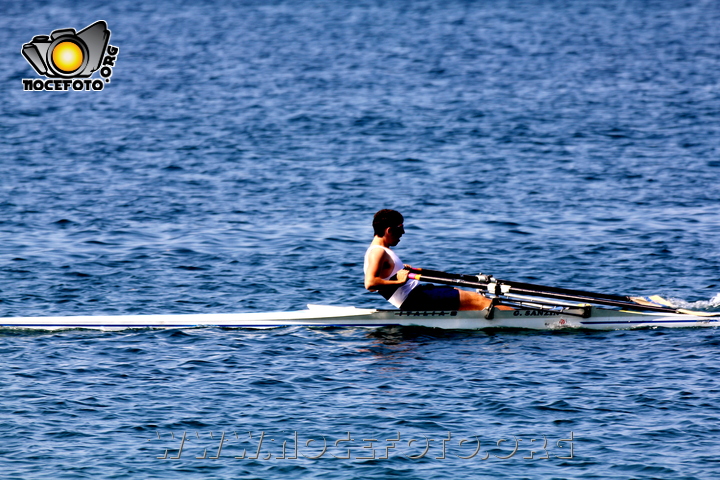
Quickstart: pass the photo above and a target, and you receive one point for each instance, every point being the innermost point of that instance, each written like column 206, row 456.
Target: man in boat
column 385, row 273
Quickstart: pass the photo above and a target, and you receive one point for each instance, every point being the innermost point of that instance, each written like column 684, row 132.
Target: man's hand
column 402, row 275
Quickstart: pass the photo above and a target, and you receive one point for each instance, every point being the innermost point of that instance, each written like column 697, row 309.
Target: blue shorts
column 432, row 297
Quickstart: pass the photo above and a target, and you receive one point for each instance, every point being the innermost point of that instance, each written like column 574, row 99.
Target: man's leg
column 473, row 301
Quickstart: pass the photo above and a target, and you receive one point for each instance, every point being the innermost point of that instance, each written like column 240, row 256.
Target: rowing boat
column 593, row 317
column 515, row 305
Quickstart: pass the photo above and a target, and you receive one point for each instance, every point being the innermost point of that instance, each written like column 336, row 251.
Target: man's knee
column 473, row 301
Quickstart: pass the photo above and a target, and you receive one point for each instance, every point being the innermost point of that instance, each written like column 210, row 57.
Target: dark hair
column 386, row 218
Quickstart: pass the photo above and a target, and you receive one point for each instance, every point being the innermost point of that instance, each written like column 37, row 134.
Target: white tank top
column 399, row 296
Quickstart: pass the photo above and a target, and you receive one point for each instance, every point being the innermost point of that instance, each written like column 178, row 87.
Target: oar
column 501, row 287
column 529, row 286
column 439, row 274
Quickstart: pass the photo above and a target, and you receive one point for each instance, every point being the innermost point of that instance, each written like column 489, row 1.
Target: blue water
column 233, row 164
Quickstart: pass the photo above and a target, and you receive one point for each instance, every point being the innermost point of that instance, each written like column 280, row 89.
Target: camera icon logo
column 66, row 53
column 68, row 59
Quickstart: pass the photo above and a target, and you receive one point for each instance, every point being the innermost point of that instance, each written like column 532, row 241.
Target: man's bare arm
column 373, row 280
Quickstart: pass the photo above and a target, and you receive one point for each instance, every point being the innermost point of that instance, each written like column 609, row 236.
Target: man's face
column 395, row 234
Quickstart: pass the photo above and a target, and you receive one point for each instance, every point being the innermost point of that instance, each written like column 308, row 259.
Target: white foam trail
column 711, row 304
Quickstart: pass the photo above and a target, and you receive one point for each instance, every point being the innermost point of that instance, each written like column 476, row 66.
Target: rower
column 385, row 273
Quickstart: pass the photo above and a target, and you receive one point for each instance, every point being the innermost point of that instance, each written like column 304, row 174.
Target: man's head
column 387, row 218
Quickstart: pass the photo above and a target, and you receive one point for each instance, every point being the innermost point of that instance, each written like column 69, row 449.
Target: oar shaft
column 448, row 280
column 500, row 287
column 529, row 286
column 582, row 298
column 426, row 272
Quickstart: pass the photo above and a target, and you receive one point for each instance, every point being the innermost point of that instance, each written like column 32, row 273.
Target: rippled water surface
column 233, row 164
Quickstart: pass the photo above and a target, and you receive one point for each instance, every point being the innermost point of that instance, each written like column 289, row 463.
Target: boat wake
column 711, row 305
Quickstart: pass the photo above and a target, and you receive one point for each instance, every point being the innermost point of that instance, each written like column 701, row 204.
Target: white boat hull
column 318, row 316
